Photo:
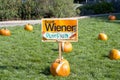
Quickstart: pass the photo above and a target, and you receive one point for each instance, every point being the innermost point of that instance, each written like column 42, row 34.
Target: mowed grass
column 23, row 56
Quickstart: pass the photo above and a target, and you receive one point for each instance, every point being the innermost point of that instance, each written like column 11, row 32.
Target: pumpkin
column 66, row 47
column 102, row 36
column 60, row 67
column 5, row 32
column 28, row 27
column 114, row 54
column 112, row 17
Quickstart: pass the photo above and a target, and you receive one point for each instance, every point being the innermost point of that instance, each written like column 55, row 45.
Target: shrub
column 35, row 9
column 103, row 7
column 116, row 6
column 97, row 8
column 27, row 9
column 9, row 9
column 86, row 9
column 56, row 8
column 46, row 8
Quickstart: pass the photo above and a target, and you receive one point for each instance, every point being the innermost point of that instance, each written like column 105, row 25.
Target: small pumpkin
column 28, row 27
column 60, row 67
column 102, row 36
column 66, row 47
column 5, row 32
column 114, row 54
column 112, row 17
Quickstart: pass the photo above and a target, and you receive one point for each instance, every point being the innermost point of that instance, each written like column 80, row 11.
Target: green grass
column 24, row 57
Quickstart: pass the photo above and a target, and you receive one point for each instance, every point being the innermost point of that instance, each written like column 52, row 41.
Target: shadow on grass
column 46, row 71
column 18, row 67
column 14, row 67
column 105, row 56
column 55, row 49
column 3, row 67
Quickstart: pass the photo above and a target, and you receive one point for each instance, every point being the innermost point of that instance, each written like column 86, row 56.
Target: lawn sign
column 60, row 30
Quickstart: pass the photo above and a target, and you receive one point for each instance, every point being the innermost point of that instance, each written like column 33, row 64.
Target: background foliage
column 99, row 8
column 9, row 9
column 35, row 9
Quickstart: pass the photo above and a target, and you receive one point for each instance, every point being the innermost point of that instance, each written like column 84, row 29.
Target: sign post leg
column 60, row 52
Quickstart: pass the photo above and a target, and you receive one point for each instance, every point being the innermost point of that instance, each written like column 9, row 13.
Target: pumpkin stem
column 28, row 23
column 5, row 28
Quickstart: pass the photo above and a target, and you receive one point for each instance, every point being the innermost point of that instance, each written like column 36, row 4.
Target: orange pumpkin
column 5, row 32
column 66, row 47
column 60, row 67
column 28, row 27
column 112, row 17
column 102, row 36
column 114, row 54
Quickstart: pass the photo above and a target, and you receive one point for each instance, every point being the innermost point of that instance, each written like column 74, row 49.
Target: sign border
column 53, row 40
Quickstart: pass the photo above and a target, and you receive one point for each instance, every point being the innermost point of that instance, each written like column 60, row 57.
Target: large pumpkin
column 60, row 67
column 112, row 17
column 114, row 54
column 28, row 27
column 5, row 32
column 66, row 47
column 102, row 36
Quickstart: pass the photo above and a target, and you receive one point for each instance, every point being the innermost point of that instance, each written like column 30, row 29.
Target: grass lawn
column 24, row 57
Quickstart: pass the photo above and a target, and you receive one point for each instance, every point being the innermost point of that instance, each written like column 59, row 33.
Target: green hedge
column 9, row 9
column 35, row 9
column 97, row 8
column 27, row 10
column 103, row 7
